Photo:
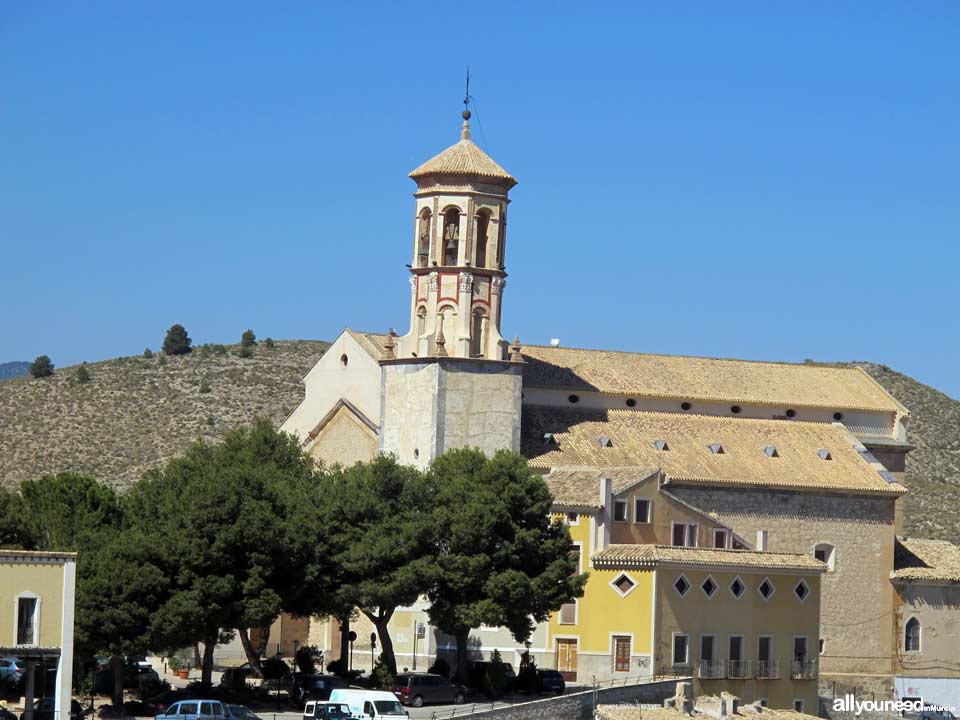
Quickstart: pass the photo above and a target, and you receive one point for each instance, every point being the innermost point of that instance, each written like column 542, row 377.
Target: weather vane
column 466, row 97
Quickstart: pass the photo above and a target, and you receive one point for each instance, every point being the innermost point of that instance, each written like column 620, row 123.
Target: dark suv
column 315, row 687
column 550, row 681
column 477, row 674
column 419, row 688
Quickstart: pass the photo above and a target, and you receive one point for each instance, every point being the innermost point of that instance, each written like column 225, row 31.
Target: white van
column 369, row 704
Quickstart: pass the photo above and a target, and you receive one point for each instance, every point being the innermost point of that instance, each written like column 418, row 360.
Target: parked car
column 419, row 688
column 240, row 712
column 369, row 704
column 195, row 710
column 314, row 710
column 315, row 687
column 44, row 709
column 551, row 681
column 477, row 673
column 11, row 671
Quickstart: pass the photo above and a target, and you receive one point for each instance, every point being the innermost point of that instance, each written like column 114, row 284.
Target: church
column 738, row 518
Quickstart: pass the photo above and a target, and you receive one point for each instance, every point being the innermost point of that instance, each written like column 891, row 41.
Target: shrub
column 177, row 342
column 147, row 353
column 248, row 339
column 245, row 352
column 219, row 349
column 269, row 344
column 337, row 667
column 205, row 350
column 306, row 658
column 495, row 680
column 527, row 674
column 204, row 386
column 41, row 367
column 83, row 375
column 211, row 420
column 162, row 360
column 380, row 677
column 440, row 667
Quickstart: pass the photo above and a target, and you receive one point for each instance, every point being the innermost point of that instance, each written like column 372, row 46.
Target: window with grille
column 911, row 639
column 621, row 653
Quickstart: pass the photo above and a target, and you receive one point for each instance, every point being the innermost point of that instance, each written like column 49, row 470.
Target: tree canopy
column 41, row 367
column 176, row 342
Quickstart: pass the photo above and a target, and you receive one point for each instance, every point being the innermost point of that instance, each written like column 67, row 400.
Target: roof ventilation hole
column 605, row 441
column 661, row 445
column 549, row 439
column 824, row 454
column 716, row 448
column 771, row 451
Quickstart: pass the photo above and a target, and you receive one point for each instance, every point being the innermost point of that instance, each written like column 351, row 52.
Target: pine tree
column 41, row 367
column 248, row 339
column 83, row 375
column 177, row 342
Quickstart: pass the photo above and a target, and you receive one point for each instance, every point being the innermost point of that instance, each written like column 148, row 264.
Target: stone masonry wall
column 857, row 597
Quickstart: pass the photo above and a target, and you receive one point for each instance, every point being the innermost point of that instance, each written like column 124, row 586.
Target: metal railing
column 738, row 669
column 711, row 669
column 767, row 670
column 803, row 669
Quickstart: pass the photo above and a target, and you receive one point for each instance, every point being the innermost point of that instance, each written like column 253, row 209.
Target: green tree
column 82, row 375
column 245, row 351
column 228, row 552
column 14, row 530
column 41, row 367
column 69, row 511
column 204, row 386
column 385, row 550
column 269, row 344
column 248, row 339
column 502, row 561
column 147, row 353
column 176, row 342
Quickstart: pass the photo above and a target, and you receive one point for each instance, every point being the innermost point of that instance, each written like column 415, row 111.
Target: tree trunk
column 117, row 667
column 463, row 638
column 264, row 641
column 252, row 656
column 381, row 622
column 206, row 676
column 345, row 640
column 197, row 662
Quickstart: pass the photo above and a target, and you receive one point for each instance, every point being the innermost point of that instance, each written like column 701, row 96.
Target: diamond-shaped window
column 624, row 584
column 709, row 587
column 681, row 585
column 737, row 587
column 801, row 591
column 766, row 589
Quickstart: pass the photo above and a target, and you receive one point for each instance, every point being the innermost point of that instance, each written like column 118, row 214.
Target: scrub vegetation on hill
column 134, row 413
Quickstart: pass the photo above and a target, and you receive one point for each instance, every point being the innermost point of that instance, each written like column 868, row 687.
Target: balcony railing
column 711, row 669
column 767, row 670
column 738, row 669
column 681, row 669
column 803, row 669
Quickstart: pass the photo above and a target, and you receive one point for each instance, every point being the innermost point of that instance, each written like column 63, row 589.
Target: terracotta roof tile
column 635, row 555
column 706, row 379
column 920, row 559
column 580, row 486
column 743, row 462
column 465, row 158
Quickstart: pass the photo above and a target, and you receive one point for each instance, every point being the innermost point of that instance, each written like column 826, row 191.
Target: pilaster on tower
column 459, row 242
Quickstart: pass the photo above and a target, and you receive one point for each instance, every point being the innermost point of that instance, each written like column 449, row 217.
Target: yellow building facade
column 37, row 594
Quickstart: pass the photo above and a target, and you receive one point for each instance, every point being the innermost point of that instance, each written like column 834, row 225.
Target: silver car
column 195, row 710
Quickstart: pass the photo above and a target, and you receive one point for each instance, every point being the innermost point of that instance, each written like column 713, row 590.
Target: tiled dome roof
column 465, row 158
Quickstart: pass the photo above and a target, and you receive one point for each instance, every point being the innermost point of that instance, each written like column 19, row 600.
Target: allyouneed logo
column 848, row 703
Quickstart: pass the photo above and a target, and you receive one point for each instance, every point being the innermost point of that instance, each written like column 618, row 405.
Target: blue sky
column 759, row 180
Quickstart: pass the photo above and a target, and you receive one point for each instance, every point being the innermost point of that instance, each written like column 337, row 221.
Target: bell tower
column 457, row 274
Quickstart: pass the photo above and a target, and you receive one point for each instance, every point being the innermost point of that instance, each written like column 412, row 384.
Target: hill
column 135, row 412
column 933, row 469
column 18, row 368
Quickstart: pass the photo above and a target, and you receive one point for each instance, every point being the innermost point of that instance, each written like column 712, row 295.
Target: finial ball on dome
column 466, row 114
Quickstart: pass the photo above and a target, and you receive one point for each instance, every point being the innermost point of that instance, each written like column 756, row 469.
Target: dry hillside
column 136, row 412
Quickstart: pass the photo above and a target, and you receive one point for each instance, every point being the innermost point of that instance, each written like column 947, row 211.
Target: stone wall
column 857, row 597
column 580, row 705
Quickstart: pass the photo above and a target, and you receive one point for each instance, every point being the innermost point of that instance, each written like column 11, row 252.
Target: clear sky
column 759, row 180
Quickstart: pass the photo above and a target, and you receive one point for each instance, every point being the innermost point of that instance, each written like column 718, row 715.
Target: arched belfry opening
column 457, row 271
column 451, row 236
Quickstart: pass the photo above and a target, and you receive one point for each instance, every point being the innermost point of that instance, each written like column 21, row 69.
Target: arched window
column 451, row 236
column 421, row 321
column 911, row 636
column 483, row 230
column 447, row 320
column 423, row 239
column 477, row 328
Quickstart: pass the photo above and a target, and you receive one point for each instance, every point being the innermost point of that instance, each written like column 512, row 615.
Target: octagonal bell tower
column 459, row 240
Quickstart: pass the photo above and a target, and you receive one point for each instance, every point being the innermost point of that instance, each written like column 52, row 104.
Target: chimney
column 606, row 516
column 763, row 538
